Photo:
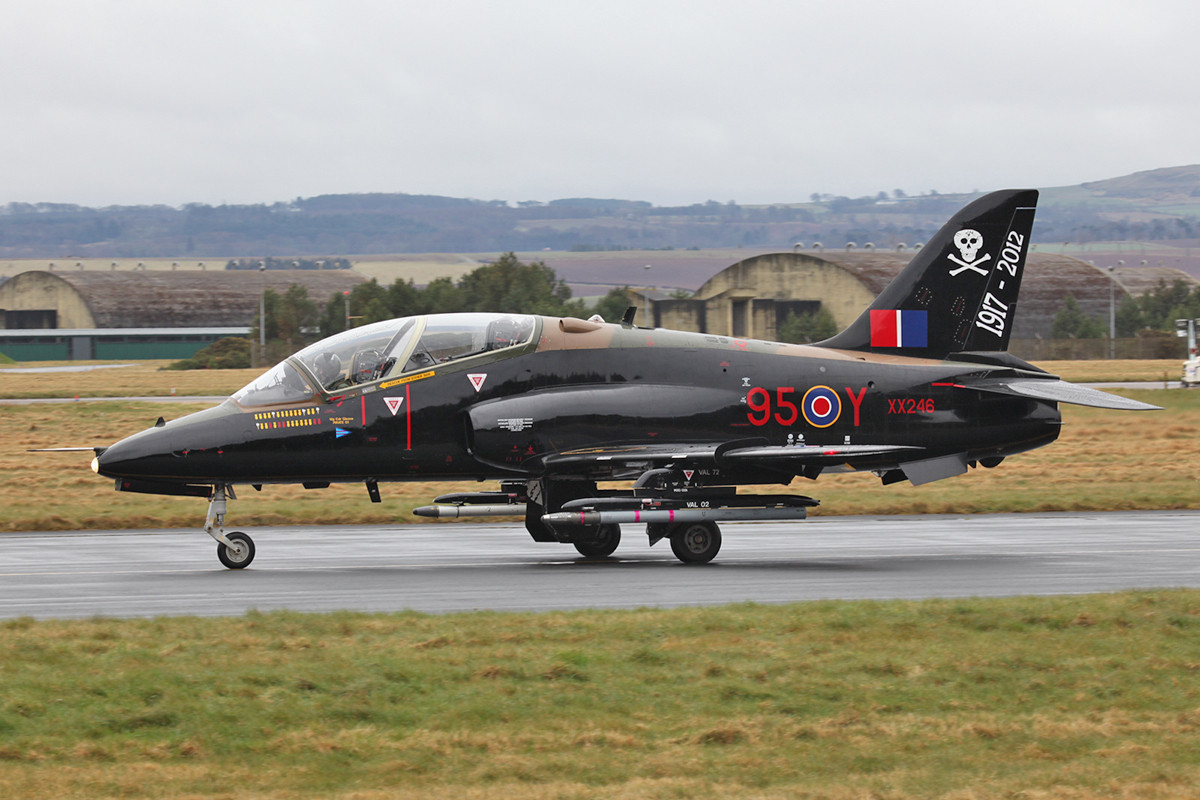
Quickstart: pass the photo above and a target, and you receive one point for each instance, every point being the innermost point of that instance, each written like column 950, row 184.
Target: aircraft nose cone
column 185, row 449
column 134, row 456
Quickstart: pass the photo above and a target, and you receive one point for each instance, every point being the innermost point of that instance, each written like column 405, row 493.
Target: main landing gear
column 695, row 542
column 235, row 549
column 603, row 543
column 575, row 512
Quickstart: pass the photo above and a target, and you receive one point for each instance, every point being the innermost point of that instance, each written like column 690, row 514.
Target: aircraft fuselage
column 599, row 387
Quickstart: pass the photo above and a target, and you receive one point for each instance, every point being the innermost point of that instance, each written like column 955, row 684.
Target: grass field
column 1104, row 460
column 1076, row 697
column 1047, row 698
column 148, row 379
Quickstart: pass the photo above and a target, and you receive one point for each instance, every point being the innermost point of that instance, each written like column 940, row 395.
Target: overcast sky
column 249, row 101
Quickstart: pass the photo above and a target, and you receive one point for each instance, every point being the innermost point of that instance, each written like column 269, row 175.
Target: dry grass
column 1104, row 460
column 1116, row 370
column 418, row 267
column 58, row 491
column 138, row 379
column 148, row 379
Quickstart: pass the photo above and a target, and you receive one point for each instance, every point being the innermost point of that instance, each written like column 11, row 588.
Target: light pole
column 1112, row 310
column 1112, row 315
column 262, row 312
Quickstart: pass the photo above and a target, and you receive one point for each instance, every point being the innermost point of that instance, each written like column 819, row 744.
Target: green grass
column 1032, row 697
column 1080, row 697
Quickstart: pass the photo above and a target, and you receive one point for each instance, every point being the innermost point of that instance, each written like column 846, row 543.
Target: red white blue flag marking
column 894, row 328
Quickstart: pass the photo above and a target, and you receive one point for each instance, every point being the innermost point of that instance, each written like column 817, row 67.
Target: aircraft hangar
column 753, row 297
column 89, row 314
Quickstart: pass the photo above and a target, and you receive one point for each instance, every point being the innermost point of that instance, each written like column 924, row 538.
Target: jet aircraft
column 919, row 388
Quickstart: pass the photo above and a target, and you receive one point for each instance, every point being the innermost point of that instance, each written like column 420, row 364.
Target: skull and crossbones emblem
column 969, row 242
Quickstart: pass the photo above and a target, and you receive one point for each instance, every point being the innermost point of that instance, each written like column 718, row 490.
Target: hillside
column 1160, row 186
column 1160, row 206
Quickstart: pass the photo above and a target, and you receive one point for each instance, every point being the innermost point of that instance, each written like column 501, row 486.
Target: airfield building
column 753, row 298
column 81, row 314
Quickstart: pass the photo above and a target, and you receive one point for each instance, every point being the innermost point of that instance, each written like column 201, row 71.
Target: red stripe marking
column 884, row 328
column 408, row 415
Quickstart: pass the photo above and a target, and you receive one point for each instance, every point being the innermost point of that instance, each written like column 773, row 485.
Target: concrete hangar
column 752, row 298
column 88, row 314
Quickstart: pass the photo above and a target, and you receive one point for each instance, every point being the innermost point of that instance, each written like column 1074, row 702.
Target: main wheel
column 604, row 543
column 695, row 542
column 240, row 555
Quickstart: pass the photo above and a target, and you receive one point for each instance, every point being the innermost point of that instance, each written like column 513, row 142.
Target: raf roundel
column 821, row 406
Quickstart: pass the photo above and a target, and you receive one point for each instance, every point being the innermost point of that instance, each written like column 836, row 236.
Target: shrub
column 231, row 353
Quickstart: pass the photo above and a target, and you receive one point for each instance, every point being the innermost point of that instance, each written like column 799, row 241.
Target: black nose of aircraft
column 173, row 450
column 142, row 454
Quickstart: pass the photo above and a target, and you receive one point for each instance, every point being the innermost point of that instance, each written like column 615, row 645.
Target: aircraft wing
column 816, row 455
column 1058, row 391
column 746, row 453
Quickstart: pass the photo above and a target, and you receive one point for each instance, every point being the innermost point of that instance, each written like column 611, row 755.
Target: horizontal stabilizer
column 1060, row 392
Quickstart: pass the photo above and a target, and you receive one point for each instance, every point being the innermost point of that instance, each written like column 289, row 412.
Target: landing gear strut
column 236, row 549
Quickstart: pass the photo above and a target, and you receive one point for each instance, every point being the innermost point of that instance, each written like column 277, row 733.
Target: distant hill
column 1169, row 185
column 1156, row 206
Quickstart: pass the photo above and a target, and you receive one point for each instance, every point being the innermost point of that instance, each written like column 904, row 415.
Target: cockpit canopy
column 385, row 349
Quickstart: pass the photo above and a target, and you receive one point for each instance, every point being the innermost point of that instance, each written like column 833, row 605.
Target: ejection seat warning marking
column 477, row 379
column 407, row 379
column 393, row 404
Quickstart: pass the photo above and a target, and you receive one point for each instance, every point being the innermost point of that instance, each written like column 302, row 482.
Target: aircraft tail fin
column 959, row 293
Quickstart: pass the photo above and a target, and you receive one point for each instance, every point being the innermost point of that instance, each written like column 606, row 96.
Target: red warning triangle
column 393, row 404
column 477, row 379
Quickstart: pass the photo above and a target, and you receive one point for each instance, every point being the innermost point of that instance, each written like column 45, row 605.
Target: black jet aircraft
column 918, row 388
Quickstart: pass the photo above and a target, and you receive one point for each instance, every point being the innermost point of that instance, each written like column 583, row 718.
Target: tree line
column 1153, row 312
column 294, row 320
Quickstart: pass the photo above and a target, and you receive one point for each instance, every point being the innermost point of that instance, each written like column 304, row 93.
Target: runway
column 463, row 567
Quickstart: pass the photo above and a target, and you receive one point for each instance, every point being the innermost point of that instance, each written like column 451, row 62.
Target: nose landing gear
column 235, row 549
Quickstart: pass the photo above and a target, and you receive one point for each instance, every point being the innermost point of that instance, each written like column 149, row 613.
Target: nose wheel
column 238, row 553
